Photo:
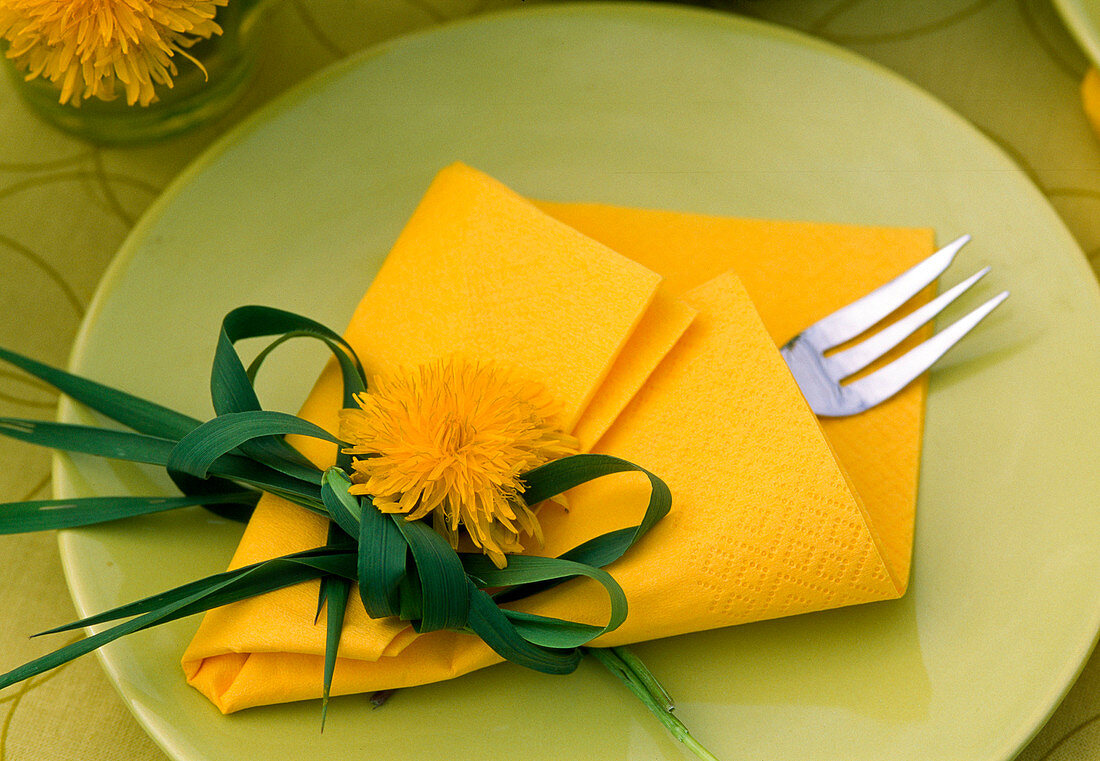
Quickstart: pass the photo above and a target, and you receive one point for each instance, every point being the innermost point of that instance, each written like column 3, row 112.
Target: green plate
column 1082, row 17
column 660, row 107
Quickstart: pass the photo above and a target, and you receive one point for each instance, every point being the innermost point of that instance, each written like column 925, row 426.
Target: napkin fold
column 659, row 354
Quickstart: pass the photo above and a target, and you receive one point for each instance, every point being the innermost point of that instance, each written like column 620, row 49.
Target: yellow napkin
column 1090, row 95
column 773, row 514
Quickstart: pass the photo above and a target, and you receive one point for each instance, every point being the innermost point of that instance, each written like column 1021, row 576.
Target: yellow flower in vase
column 95, row 48
column 451, row 439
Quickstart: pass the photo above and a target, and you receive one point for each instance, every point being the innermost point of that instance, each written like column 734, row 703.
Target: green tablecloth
column 1008, row 66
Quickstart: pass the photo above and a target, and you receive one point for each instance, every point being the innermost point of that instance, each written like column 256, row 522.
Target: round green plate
column 660, row 107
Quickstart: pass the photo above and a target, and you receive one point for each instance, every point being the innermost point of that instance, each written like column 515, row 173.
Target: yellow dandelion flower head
column 88, row 47
column 452, row 439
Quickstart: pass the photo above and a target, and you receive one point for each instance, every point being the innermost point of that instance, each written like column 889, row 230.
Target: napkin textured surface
column 795, row 274
column 764, row 521
column 835, row 530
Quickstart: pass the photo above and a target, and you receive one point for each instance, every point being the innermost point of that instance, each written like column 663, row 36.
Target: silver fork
column 819, row 376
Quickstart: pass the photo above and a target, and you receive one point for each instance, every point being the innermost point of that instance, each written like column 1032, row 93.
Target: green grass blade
column 230, row 586
column 197, row 451
column 259, row 321
column 551, row 632
column 337, row 592
column 253, row 473
column 645, row 676
column 151, row 450
column 444, row 588
column 231, row 391
column 527, row 569
column 489, row 622
column 350, row 370
column 240, row 512
column 610, row 659
column 78, row 648
column 605, row 549
column 560, row 475
column 102, row 442
column 231, row 387
column 129, row 410
column 343, row 507
column 383, row 565
column 408, row 595
column 378, row 582
column 200, row 596
column 334, row 594
column 337, row 539
column 45, row 515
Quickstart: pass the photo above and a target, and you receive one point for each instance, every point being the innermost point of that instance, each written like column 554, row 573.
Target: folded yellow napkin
column 659, row 355
column 1090, row 95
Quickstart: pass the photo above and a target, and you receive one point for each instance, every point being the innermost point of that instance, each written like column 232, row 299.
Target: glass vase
column 197, row 97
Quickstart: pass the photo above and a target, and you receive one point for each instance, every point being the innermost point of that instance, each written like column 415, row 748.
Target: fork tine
column 845, row 363
column 849, row 321
column 884, row 383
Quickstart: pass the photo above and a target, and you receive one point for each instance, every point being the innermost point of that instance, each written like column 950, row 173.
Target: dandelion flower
column 452, row 439
column 88, row 48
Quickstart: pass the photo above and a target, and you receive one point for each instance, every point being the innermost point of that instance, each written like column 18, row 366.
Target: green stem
column 639, row 680
column 639, row 669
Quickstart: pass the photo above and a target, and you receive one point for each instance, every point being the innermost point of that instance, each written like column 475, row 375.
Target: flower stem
column 640, row 680
column 634, row 663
